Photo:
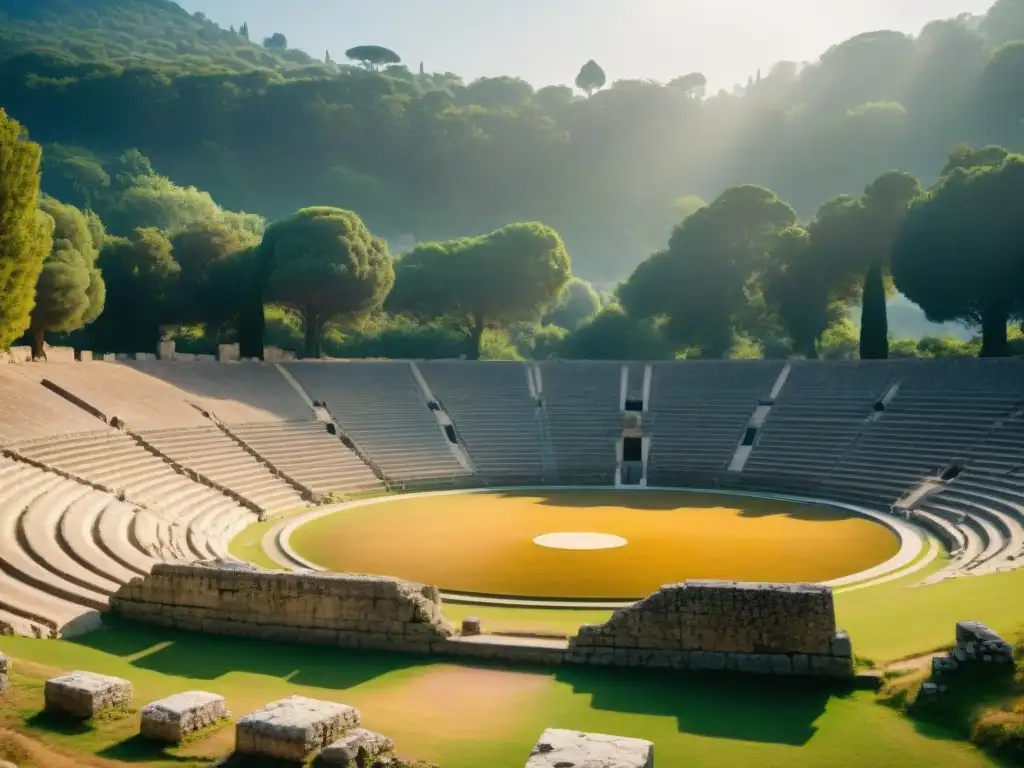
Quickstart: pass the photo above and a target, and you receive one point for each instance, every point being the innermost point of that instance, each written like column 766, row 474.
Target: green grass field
column 474, row 717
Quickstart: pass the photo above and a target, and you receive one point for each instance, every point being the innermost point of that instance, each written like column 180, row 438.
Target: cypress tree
column 25, row 239
column 874, row 322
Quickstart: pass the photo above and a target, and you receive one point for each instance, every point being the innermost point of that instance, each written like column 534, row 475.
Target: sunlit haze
column 546, row 42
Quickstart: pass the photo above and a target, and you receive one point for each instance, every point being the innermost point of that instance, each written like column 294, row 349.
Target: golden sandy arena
column 592, row 544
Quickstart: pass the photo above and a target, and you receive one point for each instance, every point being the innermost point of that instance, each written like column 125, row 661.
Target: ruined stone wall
column 786, row 629
column 345, row 610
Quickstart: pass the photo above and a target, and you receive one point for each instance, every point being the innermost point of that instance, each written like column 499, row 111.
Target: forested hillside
column 131, row 33
column 438, row 217
column 430, row 156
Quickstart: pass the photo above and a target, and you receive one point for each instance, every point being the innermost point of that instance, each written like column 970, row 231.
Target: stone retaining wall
column 345, row 610
column 757, row 628
column 760, row 628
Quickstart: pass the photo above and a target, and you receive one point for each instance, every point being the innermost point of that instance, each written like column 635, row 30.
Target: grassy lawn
column 476, row 717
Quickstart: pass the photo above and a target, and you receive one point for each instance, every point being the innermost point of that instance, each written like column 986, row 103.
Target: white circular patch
column 580, row 541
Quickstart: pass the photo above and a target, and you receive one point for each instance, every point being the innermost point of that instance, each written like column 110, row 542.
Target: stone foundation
column 979, row 653
column 170, row 720
column 86, row 694
column 574, row 749
column 294, row 729
column 343, row 610
column 357, row 749
column 758, row 628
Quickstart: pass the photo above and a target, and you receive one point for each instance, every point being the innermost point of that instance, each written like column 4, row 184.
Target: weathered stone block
column 170, row 720
column 357, row 749
column 841, row 645
column 5, row 671
column 557, row 748
column 86, row 694
column 295, row 728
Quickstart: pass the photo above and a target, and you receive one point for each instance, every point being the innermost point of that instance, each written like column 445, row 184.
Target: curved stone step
column 38, row 527
column 113, row 534
column 76, row 534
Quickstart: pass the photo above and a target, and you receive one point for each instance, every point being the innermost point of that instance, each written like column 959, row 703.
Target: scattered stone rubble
column 296, row 728
column 171, row 719
column 358, row 748
column 979, row 652
column 86, row 694
column 574, row 749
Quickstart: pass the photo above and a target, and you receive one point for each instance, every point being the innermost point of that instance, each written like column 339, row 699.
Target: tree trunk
column 314, row 328
column 874, row 320
column 38, row 344
column 808, row 347
column 476, row 337
column 993, row 333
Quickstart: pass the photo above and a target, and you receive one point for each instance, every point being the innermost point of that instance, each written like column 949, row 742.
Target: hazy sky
column 546, row 41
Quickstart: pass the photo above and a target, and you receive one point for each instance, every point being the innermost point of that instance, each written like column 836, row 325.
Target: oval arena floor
column 592, row 544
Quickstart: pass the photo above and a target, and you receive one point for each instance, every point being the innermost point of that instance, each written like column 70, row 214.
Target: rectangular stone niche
column 170, row 720
column 295, row 729
column 86, row 694
column 557, row 748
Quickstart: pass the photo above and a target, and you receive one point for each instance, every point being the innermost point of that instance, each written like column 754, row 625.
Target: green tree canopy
column 614, row 335
column 327, row 266
column 198, row 248
column 141, row 278
column 373, row 57
column 700, row 285
column 577, row 303
column 512, row 274
column 276, row 42
column 591, row 78
column 24, row 233
column 70, row 292
column 958, row 254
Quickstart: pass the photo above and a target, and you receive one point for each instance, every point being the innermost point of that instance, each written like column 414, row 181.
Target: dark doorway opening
column 632, row 449
column 634, row 406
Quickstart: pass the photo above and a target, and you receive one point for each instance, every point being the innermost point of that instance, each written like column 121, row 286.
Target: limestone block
column 228, row 353
column 841, row 645
column 295, row 728
column 84, row 356
column 557, row 748
column 175, row 717
column 357, row 749
column 86, row 694
column 5, row 670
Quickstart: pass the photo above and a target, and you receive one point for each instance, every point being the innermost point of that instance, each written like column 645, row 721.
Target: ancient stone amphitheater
column 123, row 482
column 109, row 468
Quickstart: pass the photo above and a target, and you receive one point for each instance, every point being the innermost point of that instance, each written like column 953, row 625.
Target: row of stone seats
column 309, row 455
column 66, row 547
column 382, row 409
column 819, row 413
column 115, row 461
column 239, row 393
column 699, row 412
column 207, row 450
column 584, row 418
column 498, row 420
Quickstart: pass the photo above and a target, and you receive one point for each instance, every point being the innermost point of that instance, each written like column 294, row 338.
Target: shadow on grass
column 716, row 705
column 682, row 500
column 195, row 656
column 57, row 722
column 137, row 749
